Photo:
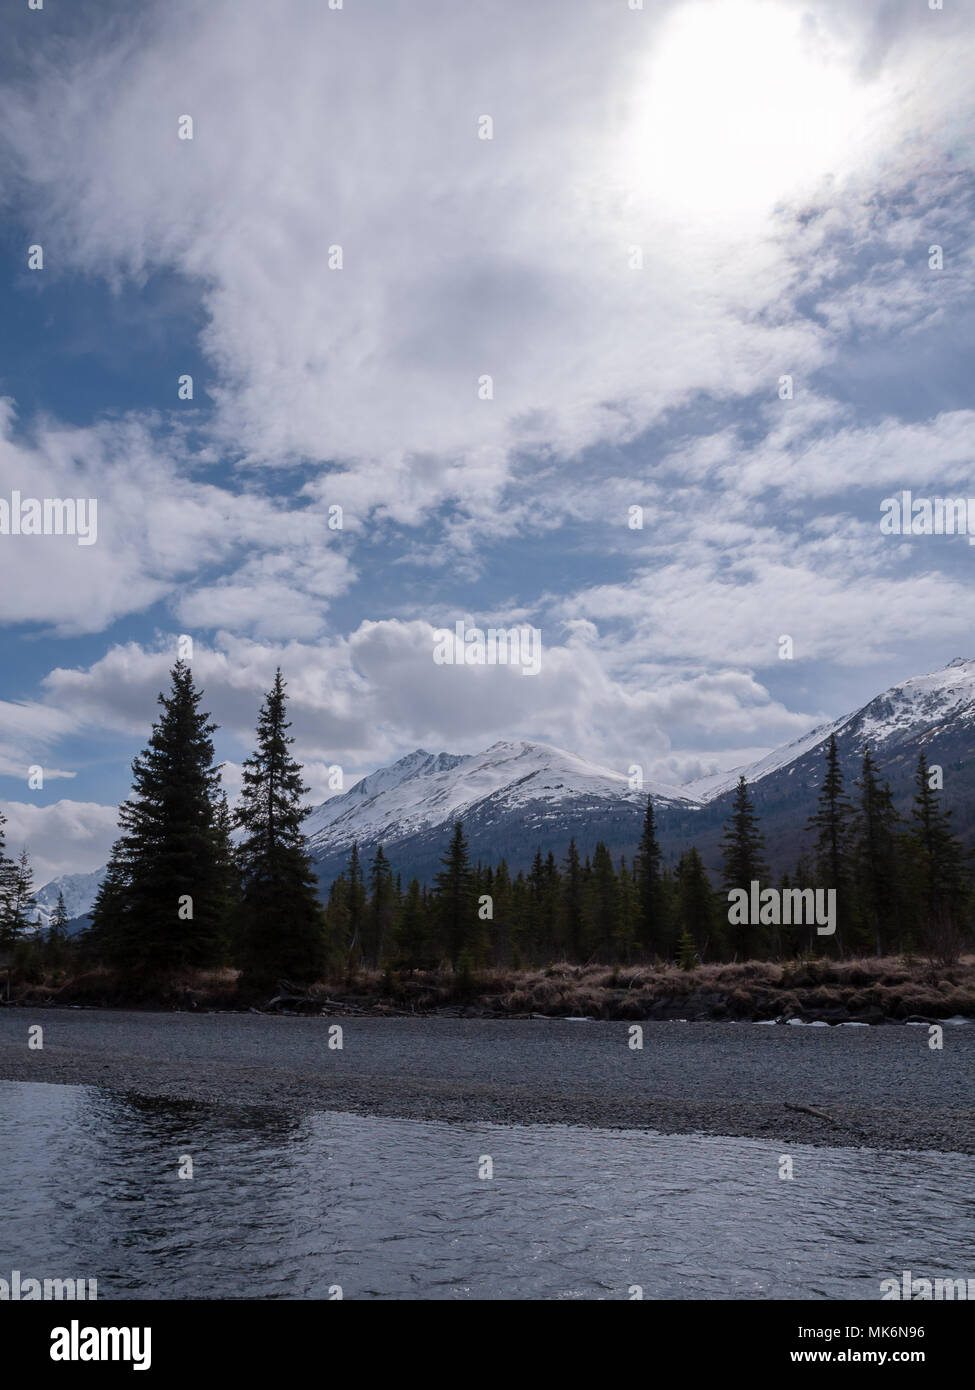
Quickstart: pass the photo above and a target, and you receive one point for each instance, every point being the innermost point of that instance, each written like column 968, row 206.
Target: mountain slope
column 79, row 892
column 513, row 796
column 933, row 712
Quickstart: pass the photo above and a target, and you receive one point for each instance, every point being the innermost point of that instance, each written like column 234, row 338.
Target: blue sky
column 679, row 206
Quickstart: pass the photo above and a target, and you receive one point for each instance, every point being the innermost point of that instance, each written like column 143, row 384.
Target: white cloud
column 157, row 528
column 69, row 837
column 462, row 257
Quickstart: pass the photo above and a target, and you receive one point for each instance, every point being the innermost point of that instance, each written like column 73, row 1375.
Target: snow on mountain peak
column 79, row 893
column 435, row 790
column 919, row 701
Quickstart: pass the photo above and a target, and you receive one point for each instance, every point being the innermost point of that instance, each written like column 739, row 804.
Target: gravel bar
column 873, row 1087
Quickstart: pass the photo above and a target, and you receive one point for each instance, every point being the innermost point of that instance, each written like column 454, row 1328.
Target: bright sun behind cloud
column 743, row 104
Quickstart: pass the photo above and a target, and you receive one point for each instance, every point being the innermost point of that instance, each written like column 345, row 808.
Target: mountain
column 79, row 892
column 512, row 798
column 934, row 712
column 516, row 797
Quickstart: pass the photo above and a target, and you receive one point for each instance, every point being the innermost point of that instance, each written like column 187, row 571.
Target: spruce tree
column 56, row 945
column 652, row 929
column 501, row 938
column 938, row 860
column 162, row 904
column 337, row 922
column 877, row 872
column 603, row 903
column 105, row 939
column 832, row 822
column 697, row 911
column 21, row 912
column 381, row 906
column 8, row 887
column 627, row 919
column 411, row 933
column 455, row 899
column 743, row 850
column 282, row 933
column 572, row 904
column 355, row 902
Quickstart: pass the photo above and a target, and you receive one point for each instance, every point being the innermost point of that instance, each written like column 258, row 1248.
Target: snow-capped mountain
column 516, row 797
column 934, row 713
column 942, row 699
column 512, row 788
column 79, row 892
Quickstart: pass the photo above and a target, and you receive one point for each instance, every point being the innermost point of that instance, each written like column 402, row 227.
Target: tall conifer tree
column 282, row 920
column 455, row 897
column 162, row 905
column 652, row 927
column 832, row 822
column 743, row 853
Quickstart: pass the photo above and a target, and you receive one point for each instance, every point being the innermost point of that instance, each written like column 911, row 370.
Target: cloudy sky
column 679, row 206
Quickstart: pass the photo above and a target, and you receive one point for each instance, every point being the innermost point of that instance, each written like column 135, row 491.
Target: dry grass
column 891, row 987
column 874, row 988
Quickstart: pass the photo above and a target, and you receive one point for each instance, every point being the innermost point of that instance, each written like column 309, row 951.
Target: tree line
column 190, row 884
column 899, row 886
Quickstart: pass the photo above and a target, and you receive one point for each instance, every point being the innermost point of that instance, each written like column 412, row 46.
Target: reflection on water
column 282, row 1207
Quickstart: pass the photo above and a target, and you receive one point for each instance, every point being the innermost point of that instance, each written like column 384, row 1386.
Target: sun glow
column 743, row 105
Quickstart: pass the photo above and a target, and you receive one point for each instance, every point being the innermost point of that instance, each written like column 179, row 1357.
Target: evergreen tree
column 687, row 953
column 455, row 899
column 21, row 911
column 356, row 906
column 162, row 905
column 938, row 859
column 8, row 886
column 572, row 904
column 501, row 928
column 105, row 938
column 652, row 928
column 549, row 909
column 743, row 849
column 697, row 912
column 412, row 936
column 627, row 914
column 337, row 922
column 227, row 887
column 57, row 934
column 282, row 921
column 603, row 903
column 877, row 874
column 381, row 907
column 832, row 822
column 521, row 911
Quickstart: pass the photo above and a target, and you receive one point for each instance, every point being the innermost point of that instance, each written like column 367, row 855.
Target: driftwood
column 847, row 1125
column 820, row 1114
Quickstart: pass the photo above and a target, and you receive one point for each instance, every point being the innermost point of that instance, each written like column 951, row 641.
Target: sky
column 499, row 282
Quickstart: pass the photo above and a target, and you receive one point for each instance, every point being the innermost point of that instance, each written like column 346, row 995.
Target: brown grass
column 875, row 988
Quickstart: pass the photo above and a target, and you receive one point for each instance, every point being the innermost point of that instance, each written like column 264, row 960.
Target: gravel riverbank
column 878, row 1087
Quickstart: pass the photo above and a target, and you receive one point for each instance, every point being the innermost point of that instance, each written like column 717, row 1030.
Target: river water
column 302, row 1207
